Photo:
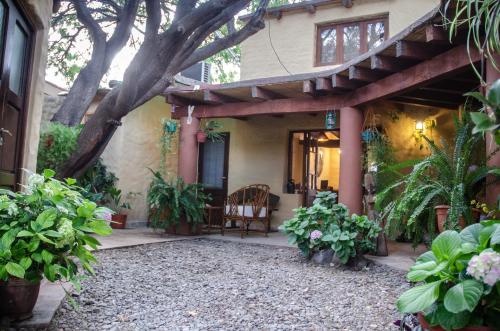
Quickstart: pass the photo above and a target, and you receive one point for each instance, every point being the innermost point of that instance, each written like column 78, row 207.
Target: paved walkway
column 401, row 257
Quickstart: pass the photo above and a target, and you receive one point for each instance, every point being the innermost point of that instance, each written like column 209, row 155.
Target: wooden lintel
column 308, row 87
column 324, row 84
column 363, row 74
column 342, row 82
column 415, row 50
column 436, row 34
column 387, row 63
column 263, row 94
column 216, row 98
column 442, row 66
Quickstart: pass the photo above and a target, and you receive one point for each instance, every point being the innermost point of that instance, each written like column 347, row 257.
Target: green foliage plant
column 46, row 231
column 327, row 224
column 118, row 200
column 447, row 176
column 459, row 279
column 211, row 130
column 170, row 201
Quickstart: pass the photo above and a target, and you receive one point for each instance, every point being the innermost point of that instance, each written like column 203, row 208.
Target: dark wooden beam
column 263, row 94
column 387, row 63
column 435, row 34
column 415, row 50
column 278, row 116
column 342, row 82
column 324, row 84
column 424, row 102
column 308, row 87
column 443, row 90
column 179, row 100
column 311, row 9
column 213, row 98
column 364, row 74
column 443, row 66
column 437, row 96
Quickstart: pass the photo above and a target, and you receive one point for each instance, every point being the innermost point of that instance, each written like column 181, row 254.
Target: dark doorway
column 213, row 166
column 16, row 35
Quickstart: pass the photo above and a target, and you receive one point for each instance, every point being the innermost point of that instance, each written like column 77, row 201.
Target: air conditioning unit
column 199, row 71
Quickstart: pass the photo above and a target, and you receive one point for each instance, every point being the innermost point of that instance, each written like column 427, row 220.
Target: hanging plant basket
column 201, row 137
column 368, row 135
column 171, row 127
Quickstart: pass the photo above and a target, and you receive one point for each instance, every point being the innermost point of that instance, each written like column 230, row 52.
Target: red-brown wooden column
column 350, row 189
column 187, row 166
column 492, row 190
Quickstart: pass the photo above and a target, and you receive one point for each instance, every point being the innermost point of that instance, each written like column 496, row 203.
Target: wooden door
column 16, row 36
column 213, row 166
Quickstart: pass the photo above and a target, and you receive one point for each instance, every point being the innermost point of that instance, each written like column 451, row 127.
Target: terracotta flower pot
column 17, row 298
column 441, row 214
column 201, row 137
column 119, row 221
column 426, row 326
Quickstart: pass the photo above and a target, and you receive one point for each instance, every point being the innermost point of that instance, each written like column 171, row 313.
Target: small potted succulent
column 45, row 232
column 459, row 276
column 119, row 219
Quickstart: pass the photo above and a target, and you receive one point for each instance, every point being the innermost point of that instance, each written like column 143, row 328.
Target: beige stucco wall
column 134, row 148
column 42, row 9
column 259, row 146
column 293, row 36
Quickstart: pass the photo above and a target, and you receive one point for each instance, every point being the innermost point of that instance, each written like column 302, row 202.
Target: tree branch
column 153, row 10
column 255, row 24
column 84, row 16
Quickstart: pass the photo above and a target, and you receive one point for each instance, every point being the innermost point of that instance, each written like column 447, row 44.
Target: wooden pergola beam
column 414, row 50
column 342, row 82
column 363, row 74
column 434, row 34
column 441, row 66
column 387, row 63
column 216, row 98
column 309, row 87
column 324, row 84
column 263, row 94
column 178, row 100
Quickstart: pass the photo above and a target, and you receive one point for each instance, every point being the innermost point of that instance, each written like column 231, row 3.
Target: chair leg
column 242, row 229
column 222, row 226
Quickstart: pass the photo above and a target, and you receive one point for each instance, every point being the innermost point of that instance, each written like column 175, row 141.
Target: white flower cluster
column 485, row 267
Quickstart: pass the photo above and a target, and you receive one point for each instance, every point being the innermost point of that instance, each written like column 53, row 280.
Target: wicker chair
column 248, row 205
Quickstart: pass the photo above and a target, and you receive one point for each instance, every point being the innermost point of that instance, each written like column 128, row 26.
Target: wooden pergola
column 419, row 66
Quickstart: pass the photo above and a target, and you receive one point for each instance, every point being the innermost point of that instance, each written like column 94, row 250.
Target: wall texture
column 134, row 148
column 293, row 36
column 42, row 10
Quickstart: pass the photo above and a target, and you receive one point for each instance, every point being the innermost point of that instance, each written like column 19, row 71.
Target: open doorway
column 314, row 162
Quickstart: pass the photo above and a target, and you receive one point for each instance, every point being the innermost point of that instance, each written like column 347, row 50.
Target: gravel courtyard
column 213, row 285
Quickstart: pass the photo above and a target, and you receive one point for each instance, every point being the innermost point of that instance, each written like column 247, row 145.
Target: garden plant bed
column 205, row 284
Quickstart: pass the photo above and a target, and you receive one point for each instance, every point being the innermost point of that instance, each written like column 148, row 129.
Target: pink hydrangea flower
column 485, row 267
column 316, row 234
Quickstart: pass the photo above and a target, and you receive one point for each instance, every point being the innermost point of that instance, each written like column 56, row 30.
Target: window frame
column 362, row 23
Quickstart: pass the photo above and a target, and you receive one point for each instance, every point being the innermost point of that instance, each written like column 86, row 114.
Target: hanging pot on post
column 201, row 137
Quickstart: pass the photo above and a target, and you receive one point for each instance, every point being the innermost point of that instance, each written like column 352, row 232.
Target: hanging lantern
column 330, row 120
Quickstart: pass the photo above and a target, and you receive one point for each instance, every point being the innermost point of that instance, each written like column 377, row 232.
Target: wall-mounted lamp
column 419, row 126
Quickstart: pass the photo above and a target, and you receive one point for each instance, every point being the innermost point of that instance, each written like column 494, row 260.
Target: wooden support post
column 188, row 150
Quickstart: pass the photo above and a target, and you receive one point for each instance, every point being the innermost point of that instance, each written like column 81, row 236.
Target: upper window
column 341, row 42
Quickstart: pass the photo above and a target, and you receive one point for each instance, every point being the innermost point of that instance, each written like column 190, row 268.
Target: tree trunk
column 80, row 96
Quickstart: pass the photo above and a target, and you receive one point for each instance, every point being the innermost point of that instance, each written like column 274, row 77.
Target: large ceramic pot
column 119, row 221
column 187, row 229
column 426, row 326
column 17, row 298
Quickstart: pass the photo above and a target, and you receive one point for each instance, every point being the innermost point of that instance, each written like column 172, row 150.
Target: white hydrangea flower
column 485, row 267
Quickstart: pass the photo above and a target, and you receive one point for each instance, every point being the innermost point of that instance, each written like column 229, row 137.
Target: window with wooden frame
column 337, row 43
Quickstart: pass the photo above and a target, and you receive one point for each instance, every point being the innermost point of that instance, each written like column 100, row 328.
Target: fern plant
column 169, row 202
column 447, row 176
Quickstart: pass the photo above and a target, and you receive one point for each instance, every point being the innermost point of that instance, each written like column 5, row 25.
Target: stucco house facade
column 24, row 40
column 365, row 63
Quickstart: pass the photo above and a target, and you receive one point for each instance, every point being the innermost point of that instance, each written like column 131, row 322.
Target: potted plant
column 460, row 274
column 45, row 232
column 326, row 228
column 210, row 132
column 176, row 206
column 119, row 219
column 446, row 177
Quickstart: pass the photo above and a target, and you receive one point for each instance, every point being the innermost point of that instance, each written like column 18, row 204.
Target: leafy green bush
column 460, row 275
column 56, row 144
column 97, row 182
column 170, row 202
column 45, row 230
column 328, row 225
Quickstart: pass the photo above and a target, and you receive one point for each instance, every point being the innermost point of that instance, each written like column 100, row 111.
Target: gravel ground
column 214, row 285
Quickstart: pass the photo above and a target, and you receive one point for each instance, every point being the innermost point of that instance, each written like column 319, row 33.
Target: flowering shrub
column 460, row 276
column 46, row 230
column 328, row 225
